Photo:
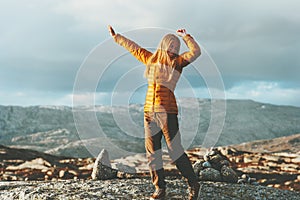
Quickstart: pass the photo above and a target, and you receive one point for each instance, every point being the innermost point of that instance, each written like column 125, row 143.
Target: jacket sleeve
column 138, row 52
column 194, row 51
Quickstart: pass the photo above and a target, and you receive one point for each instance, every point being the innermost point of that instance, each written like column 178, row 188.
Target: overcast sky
column 255, row 44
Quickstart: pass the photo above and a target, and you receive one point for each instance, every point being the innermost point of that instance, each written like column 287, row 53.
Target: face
column 173, row 50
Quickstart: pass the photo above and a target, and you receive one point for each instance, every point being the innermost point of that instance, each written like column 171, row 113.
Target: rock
column 125, row 168
column 65, row 174
column 228, row 175
column 216, row 161
column 125, row 175
column 296, row 160
column 210, row 174
column 246, row 179
column 38, row 163
column 102, row 168
column 215, row 168
column 255, row 183
column 103, row 157
column 215, row 158
column 241, row 181
column 198, row 166
column 206, row 164
column 209, row 154
column 61, row 173
column 224, row 162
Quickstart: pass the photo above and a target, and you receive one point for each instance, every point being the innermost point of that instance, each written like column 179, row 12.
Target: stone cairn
column 216, row 167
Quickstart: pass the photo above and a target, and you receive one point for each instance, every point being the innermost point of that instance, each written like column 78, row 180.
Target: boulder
column 228, row 175
column 210, row 174
column 198, row 166
column 102, row 168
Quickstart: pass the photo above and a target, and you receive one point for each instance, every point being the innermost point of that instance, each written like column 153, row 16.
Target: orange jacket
column 160, row 95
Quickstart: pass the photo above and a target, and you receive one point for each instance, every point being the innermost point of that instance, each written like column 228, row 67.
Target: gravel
column 134, row 189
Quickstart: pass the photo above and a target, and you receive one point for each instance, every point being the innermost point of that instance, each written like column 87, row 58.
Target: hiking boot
column 158, row 194
column 194, row 190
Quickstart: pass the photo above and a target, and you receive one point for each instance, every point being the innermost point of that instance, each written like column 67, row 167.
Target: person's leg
column 170, row 128
column 153, row 136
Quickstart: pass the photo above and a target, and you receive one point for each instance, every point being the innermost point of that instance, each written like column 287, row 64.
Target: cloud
column 95, row 14
column 265, row 92
column 43, row 43
column 270, row 54
column 29, row 98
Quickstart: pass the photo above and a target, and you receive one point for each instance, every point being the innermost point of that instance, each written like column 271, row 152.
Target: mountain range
column 52, row 129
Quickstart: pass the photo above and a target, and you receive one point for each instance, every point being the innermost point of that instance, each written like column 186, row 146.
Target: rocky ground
column 137, row 188
column 26, row 174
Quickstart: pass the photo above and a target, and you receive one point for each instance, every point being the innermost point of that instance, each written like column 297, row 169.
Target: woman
column 163, row 69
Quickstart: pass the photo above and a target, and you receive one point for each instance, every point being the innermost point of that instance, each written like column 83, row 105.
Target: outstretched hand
column 111, row 30
column 181, row 32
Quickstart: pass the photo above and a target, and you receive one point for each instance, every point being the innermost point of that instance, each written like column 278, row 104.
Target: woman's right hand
column 181, row 32
column 111, row 30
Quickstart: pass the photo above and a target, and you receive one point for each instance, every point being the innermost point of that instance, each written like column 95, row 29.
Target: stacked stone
column 215, row 167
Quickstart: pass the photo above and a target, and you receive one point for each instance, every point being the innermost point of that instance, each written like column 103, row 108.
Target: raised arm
column 138, row 52
column 194, row 50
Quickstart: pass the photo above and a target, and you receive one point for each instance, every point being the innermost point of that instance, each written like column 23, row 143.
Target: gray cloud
column 42, row 44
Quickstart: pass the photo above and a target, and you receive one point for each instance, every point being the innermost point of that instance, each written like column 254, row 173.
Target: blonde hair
column 160, row 57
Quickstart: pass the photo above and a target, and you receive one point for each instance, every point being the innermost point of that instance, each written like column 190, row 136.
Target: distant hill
column 289, row 144
column 51, row 129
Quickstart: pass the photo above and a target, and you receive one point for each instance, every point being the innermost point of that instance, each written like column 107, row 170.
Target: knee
column 176, row 154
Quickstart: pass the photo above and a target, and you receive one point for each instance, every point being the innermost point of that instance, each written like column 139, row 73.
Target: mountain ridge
column 52, row 128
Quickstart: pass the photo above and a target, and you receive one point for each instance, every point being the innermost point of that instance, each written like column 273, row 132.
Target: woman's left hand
column 111, row 30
